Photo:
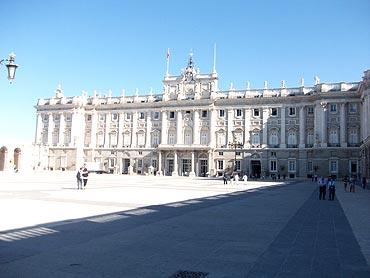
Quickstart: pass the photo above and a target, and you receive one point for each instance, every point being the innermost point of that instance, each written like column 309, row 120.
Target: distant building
column 195, row 129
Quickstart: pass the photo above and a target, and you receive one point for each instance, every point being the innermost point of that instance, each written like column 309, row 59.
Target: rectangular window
column 310, row 110
column 333, row 166
column 221, row 113
column 256, row 112
column 273, row 165
column 333, row 108
column 156, row 115
column 238, row 112
column 273, row 154
column 309, row 166
column 140, row 152
column 291, row 166
column 220, row 165
column 114, row 117
column 172, row 114
column 237, row 153
column 141, row 115
column 292, row 111
column 237, row 165
column 220, row 153
column 89, row 118
column 139, row 163
column 128, row 116
column 187, row 112
column 101, row 117
column 352, row 107
column 204, row 113
column 274, row 112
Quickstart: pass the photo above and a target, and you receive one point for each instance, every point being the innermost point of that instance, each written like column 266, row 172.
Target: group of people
column 82, row 176
column 235, row 178
column 324, row 184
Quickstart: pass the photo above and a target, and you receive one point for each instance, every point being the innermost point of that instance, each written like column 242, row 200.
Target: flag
column 168, row 54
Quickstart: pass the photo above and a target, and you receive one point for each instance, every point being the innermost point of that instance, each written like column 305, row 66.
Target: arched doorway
column 256, row 169
column 170, row 164
column 3, row 157
column 17, row 159
column 203, row 165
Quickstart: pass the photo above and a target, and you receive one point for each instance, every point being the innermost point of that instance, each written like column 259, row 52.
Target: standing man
column 363, row 182
column 85, row 175
column 225, row 179
column 331, row 189
column 79, row 178
column 322, row 188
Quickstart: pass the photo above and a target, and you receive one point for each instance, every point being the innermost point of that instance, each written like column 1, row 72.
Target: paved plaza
column 140, row 226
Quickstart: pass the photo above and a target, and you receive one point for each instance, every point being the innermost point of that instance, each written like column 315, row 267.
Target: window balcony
column 292, row 146
column 309, row 145
column 353, row 144
column 274, row 145
column 333, row 145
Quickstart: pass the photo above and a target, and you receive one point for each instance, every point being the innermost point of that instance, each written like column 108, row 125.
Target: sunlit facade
column 194, row 129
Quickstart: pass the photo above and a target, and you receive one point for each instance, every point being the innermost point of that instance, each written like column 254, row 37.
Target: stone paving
column 145, row 227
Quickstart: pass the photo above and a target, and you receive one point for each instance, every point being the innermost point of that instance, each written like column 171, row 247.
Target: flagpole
column 168, row 61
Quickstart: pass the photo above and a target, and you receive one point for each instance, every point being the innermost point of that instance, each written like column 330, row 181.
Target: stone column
column 120, row 130
column 179, row 133
column 210, row 164
column 134, row 130
column 94, row 126
column 80, row 132
column 317, row 125
column 247, row 127
column 213, row 121
column 39, row 127
column 159, row 163
column 164, row 128
column 61, row 129
column 75, row 128
column 343, row 125
column 107, row 129
column 175, row 166
column 192, row 173
column 148, row 130
column 282, row 127
column 265, row 115
column 230, row 125
column 196, row 134
column 324, row 130
column 302, row 127
column 50, row 129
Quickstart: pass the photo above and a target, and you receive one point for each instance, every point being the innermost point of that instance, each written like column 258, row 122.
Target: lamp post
column 234, row 145
column 11, row 66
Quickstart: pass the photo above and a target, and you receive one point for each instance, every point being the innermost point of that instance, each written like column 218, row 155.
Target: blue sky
column 101, row 45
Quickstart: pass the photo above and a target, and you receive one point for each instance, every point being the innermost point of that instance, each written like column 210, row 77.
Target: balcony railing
column 333, row 145
column 292, row 146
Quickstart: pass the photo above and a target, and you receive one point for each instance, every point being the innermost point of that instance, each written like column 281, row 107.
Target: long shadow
column 128, row 230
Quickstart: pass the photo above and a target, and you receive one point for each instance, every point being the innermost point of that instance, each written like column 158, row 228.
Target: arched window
column 100, row 139
column 155, row 138
column 112, row 139
column 238, row 136
column 221, row 138
column 126, row 139
column 67, row 136
column 141, row 138
column 310, row 137
column 333, row 136
column 274, row 139
column 45, row 136
column 188, row 135
column 204, row 137
column 171, row 137
column 353, row 136
column 55, row 137
column 256, row 138
column 292, row 138
column 87, row 140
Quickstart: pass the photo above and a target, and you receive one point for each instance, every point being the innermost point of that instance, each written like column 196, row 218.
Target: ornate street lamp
column 12, row 67
column 234, row 145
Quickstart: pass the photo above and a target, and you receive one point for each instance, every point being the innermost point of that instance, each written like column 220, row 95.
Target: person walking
column 322, row 188
column 225, row 179
column 85, row 175
column 79, row 178
column 331, row 184
column 345, row 182
column 363, row 182
column 352, row 185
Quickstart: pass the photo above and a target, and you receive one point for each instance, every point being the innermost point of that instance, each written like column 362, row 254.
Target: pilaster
column 302, row 126
column 343, row 125
column 282, row 127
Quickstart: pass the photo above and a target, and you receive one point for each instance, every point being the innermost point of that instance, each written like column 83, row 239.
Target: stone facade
column 195, row 129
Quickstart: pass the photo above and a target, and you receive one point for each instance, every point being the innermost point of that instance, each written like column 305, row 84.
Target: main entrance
column 203, row 167
column 186, row 167
column 255, row 169
column 170, row 168
column 125, row 165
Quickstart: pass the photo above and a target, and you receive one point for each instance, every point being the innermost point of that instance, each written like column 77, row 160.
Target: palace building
column 194, row 129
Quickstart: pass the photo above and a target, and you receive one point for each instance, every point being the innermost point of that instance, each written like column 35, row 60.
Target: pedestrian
column 322, row 188
column 315, row 176
column 352, row 185
column 85, row 175
column 245, row 178
column 225, row 179
column 345, row 182
column 363, row 182
column 79, row 178
column 331, row 184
